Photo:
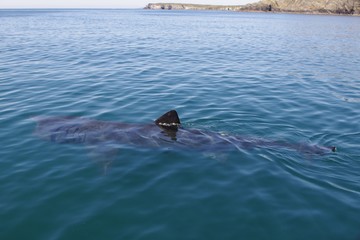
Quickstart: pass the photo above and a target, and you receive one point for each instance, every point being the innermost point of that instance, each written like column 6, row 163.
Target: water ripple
column 228, row 73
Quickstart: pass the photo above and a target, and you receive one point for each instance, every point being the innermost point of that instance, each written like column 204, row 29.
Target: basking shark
column 165, row 132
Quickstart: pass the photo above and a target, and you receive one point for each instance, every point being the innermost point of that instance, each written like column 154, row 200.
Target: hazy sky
column 104, row 3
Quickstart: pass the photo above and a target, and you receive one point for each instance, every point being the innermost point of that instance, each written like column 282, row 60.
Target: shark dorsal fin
column 169, row 121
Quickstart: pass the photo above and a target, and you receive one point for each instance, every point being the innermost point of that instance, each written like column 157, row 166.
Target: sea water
column 293, row 78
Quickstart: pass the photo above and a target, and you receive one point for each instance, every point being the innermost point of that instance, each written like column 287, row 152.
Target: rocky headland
column 348, row 7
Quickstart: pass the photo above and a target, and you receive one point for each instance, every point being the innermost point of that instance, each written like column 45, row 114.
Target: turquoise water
column 281, row 77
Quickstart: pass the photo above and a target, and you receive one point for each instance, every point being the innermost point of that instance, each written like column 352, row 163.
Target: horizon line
column 14, row 8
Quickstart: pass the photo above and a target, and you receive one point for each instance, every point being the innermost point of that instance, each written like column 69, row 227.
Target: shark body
column 165, row 132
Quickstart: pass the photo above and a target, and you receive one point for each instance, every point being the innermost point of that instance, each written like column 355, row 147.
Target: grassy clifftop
column 298, row 6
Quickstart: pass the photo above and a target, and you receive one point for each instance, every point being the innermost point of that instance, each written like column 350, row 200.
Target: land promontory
column 292, row 6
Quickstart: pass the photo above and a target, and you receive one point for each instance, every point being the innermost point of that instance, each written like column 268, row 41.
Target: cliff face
column 298, row 6
column 309, row 6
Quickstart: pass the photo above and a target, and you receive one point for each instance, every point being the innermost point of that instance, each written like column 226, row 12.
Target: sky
column 105, row 3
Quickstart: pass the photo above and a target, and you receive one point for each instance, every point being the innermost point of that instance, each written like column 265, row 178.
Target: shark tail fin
column 169, row 121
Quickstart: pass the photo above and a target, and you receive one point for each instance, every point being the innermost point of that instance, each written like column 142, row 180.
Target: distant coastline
column 336, row 7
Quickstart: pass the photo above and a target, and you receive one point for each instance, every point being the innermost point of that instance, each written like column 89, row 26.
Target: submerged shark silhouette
column 165, row 132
